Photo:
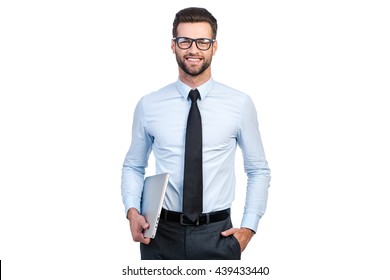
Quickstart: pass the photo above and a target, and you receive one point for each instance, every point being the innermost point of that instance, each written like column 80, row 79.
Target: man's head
column 194, row 33
column 192, row 15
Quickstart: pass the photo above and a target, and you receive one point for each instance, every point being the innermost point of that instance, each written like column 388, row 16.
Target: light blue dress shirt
column 228, row 119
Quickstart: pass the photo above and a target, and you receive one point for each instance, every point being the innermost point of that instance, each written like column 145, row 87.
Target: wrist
column 250, row 231
column 132, row 213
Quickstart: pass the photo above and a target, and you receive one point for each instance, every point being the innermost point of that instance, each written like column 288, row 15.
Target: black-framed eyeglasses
column 185, row 43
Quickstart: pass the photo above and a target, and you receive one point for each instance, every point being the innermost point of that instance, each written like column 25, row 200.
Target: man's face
column 194, row 61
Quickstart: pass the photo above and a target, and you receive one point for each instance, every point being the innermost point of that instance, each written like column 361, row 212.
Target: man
column 227, row 119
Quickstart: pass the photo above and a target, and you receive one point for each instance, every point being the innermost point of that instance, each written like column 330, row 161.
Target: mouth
column 193, row 59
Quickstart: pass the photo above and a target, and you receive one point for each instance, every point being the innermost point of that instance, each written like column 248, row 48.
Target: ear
column 215, row 47
column 173, row 47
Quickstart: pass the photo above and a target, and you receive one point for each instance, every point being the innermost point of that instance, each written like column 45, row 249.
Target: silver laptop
column 152, row 199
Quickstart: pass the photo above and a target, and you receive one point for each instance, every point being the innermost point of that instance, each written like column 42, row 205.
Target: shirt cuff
column 129, row 203
column 251, row 221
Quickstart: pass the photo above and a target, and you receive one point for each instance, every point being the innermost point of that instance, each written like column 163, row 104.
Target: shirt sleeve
column 255, row 166
column 136, row 160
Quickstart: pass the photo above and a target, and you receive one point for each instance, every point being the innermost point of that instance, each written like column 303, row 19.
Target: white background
column 71, row 73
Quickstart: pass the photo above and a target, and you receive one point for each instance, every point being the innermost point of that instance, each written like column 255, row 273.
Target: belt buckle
column 190, row 223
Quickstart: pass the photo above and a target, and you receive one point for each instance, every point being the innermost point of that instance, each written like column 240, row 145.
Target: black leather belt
column 203, row 219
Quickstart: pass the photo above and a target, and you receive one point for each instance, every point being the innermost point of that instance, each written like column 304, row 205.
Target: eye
column 184, row 41
column 203, row 42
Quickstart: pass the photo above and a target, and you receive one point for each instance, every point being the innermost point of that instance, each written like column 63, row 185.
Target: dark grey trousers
column 204, row 242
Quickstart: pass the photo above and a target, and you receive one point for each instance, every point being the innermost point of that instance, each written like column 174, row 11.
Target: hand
column 243, row 235
column 137, row 225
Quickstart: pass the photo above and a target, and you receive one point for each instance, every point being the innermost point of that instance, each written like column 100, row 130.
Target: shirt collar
column 203, row 89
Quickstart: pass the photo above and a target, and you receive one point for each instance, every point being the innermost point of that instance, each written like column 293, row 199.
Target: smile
column 193, row 59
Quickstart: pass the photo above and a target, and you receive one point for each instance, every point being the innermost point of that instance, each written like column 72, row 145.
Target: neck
column 194, row 81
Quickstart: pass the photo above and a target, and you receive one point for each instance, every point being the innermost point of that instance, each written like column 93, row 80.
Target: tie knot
column 194, row 95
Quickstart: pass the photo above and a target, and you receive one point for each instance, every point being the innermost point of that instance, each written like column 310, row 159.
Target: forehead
column 194, row 30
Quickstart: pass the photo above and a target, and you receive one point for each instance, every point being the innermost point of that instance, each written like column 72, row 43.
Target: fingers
column 143, row 225
column 145, row 240
column 137, row 225
column 137, row 233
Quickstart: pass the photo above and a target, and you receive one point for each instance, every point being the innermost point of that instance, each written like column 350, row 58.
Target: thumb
column 229, row 232
column 142, row 222
column 145, row 225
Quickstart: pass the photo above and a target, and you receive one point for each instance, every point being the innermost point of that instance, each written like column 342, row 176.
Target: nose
column 194, row 47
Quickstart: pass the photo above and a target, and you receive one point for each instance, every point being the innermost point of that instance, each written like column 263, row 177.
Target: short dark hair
column 194, row 14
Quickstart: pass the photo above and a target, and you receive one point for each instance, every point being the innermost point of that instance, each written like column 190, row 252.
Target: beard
column 192, row 71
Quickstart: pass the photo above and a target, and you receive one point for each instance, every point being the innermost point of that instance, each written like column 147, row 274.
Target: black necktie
column 193, row 178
